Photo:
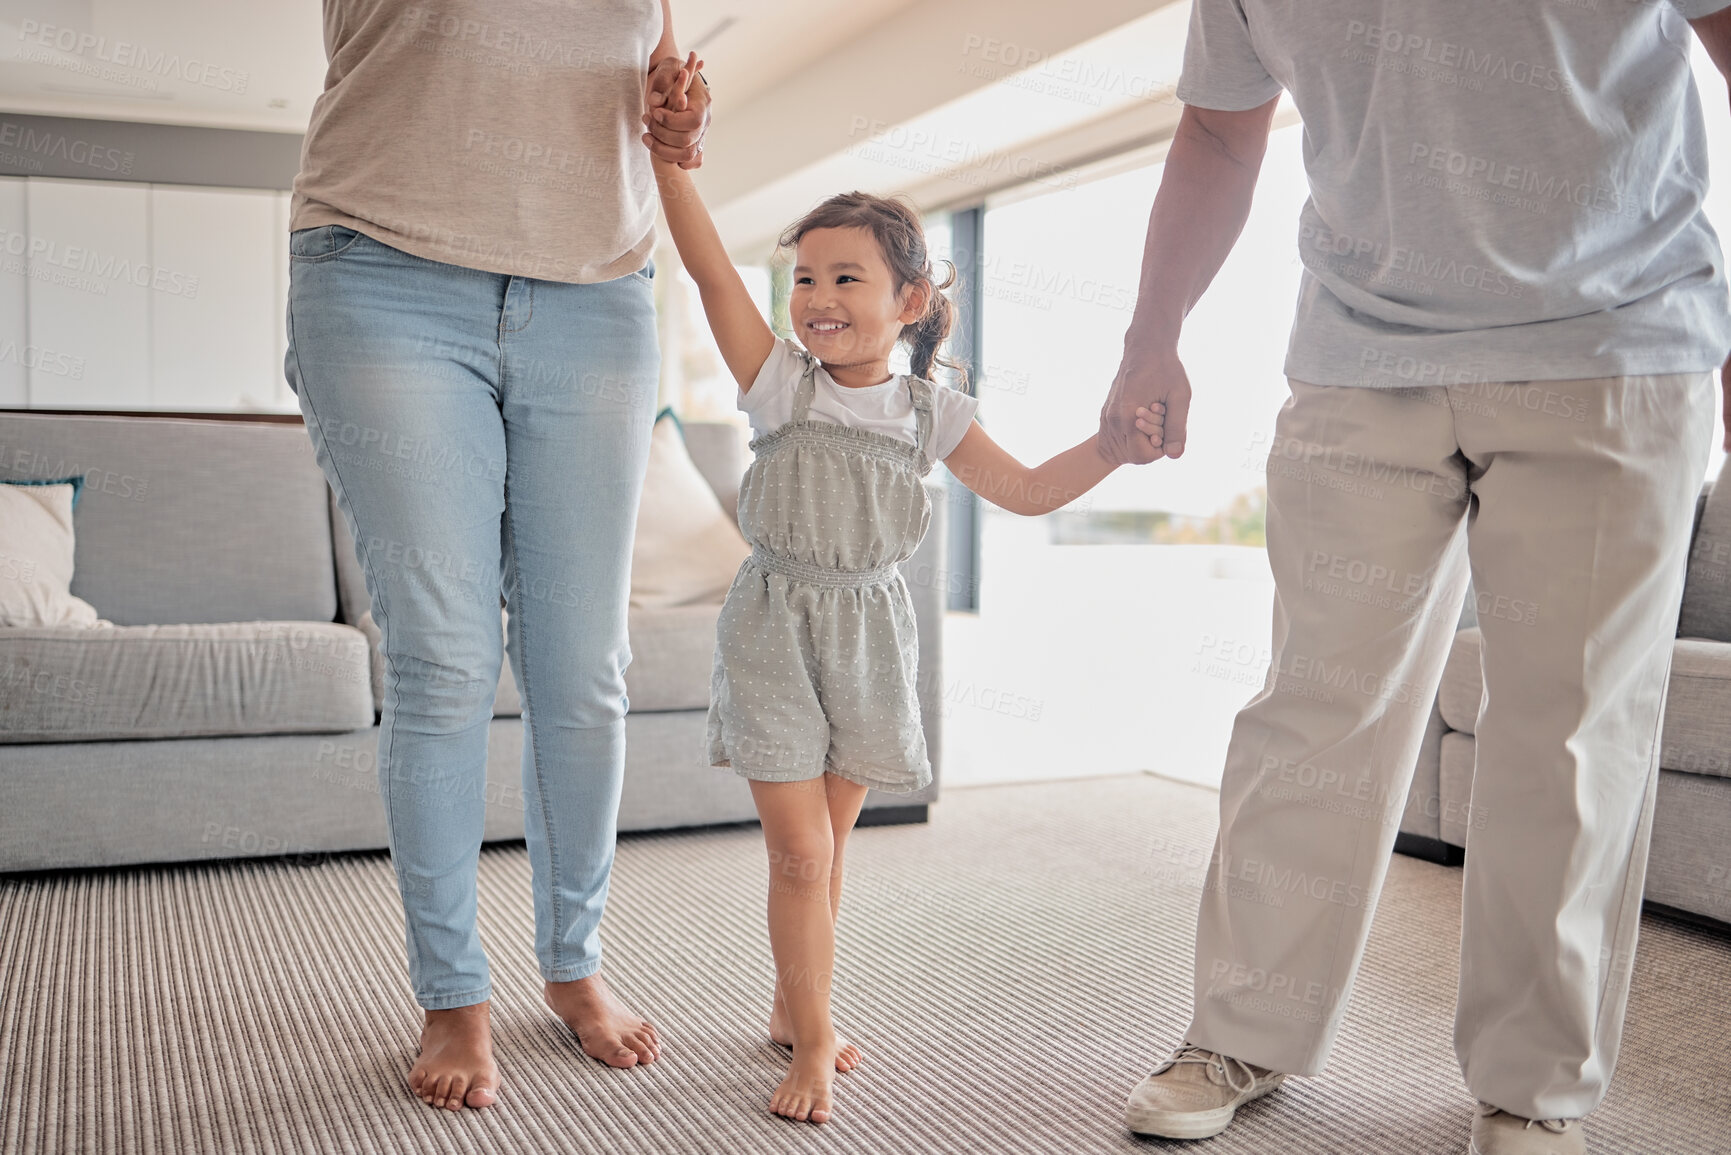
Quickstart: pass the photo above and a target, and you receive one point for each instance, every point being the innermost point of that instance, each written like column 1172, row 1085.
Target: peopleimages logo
column 57, row 145
column 125, row 54
column 1487, row 64
column 1495, row 175
column 85, row 267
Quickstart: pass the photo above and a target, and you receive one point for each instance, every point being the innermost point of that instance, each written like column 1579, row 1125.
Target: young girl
column 814, row 691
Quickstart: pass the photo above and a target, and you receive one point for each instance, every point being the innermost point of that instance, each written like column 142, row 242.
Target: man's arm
column 1201, row 207
column 1715, row 34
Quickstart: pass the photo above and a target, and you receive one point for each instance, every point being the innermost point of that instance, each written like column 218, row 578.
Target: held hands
column 1145, row 415
column 678, row 113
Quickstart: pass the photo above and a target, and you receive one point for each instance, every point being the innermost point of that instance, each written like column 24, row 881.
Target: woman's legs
column 578, row 372
column 394, row 362
column 844, row 799
column 804, row 844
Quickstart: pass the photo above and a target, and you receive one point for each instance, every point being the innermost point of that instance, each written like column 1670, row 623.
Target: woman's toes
column 455, row 1093
column 481, row 1097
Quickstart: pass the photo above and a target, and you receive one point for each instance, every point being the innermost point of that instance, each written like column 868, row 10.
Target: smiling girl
column 814, row 696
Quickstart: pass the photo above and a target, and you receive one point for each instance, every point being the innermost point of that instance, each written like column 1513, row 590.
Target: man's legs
column 1585, row 491
column 1366, row 500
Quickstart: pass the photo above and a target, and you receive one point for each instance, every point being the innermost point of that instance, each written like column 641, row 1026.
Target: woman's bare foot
column 847, row 1056
column 805, row 1093
column 455, row 1067
column 603, row 1026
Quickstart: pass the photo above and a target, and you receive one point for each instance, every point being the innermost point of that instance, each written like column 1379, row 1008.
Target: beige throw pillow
column 688, row 549
column 36, row 548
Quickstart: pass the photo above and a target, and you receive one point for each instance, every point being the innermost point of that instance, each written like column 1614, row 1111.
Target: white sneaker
column 1496, row 1132
column 1195, row 1093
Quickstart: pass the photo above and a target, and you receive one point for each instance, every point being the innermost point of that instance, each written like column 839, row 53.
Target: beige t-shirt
column 495, row 134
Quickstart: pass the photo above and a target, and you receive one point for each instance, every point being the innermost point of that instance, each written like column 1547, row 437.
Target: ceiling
column 222, row 63
column 754, row 43
column 942, row 100
column 259, row 64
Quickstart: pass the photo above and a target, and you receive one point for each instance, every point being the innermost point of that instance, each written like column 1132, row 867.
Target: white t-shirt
column 886, row 408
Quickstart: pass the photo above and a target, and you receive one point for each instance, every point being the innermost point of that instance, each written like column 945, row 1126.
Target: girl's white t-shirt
column 886, row 408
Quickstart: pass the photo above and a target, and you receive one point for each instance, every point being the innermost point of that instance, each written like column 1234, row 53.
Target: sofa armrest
column 719, row 450
column 928, row 589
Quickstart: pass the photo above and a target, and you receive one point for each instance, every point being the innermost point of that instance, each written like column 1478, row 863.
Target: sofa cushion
column 187, row 521
column 687, row 549
column 1706, row 609
column 672, row 658
column 1697, row 734
column 36, row 553
column 61, row 684
column 1463, row 683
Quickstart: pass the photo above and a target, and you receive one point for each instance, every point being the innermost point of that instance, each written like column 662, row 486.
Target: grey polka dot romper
column 816, row 654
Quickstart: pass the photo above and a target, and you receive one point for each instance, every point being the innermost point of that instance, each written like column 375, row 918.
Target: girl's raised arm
column 740, row 330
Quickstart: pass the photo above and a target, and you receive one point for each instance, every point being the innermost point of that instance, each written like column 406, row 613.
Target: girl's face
column 845, row 306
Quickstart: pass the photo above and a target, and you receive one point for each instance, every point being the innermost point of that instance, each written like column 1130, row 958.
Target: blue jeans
column 486, row 436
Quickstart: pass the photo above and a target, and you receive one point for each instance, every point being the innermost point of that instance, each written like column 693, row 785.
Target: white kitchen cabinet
column 89, row 284
column 213, row 301
column 16, row 352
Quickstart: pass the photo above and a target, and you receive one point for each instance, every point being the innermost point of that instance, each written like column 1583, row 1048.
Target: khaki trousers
column 1571, row 502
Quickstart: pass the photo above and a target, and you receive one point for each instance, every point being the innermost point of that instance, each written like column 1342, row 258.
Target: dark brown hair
column 895, row 226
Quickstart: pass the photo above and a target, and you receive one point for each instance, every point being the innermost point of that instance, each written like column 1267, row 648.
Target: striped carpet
column 1011, row 970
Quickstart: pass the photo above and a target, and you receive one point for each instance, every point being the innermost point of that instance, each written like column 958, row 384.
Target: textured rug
column 1010, row 969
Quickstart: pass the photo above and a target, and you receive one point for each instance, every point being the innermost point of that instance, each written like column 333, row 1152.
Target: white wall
column 132, row 296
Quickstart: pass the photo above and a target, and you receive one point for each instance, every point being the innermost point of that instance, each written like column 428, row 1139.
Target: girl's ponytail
column 928, row 334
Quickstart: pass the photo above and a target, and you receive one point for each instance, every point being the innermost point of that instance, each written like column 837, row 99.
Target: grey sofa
column 1689, row 867
column 233, row 711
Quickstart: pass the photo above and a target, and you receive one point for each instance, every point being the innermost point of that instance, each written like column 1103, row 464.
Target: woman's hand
column 678, row 113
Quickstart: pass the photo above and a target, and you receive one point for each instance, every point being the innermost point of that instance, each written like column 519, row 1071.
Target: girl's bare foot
column 805, row 1093
column 455, row 1067
column 847, row 1056
column 606, row 1030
